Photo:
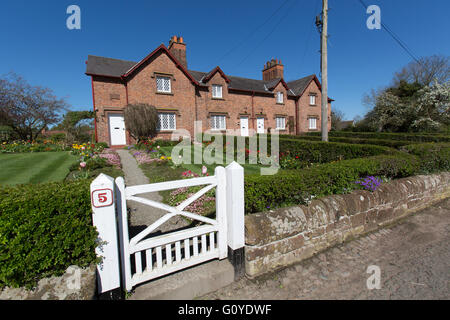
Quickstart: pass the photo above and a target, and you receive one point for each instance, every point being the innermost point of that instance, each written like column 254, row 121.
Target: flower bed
column 21, row 146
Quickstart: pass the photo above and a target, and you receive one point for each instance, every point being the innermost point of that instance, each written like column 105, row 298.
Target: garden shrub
column 433, row 157
column 379, row 142
column 419, row 137
column 323, row 152
column 44, row 229
column 289, row 187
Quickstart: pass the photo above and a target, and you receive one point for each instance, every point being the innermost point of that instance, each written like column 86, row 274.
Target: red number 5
column 102, row 197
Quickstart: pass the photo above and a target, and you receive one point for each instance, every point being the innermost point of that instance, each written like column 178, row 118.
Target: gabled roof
column 107, row 66
column 115, row 68
column 163, row 48
column 299, row 86
column 273, row 83
column 210, row 74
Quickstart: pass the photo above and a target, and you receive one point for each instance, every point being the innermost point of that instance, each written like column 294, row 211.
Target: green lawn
column 34, row 167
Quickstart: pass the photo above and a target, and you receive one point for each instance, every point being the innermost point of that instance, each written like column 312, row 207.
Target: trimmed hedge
column 291, row 187
column 44, row 229
column 387, row 135
column 378, row 142
column 433, row 156
column 319, row 151
column 324, row 152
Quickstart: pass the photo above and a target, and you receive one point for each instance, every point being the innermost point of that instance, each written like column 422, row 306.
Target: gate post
column 235, row 217
column 104, row 219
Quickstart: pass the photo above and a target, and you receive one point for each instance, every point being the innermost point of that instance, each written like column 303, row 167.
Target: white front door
column 260, row 125
column 117, row 130
column 244, row 126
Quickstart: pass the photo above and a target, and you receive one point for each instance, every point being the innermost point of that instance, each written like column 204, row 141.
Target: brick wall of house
column 307, row 111
column 109, row 97
column 191, row 103
column 142, row 89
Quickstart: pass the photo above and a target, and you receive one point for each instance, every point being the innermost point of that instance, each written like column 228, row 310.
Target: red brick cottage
column 183, row 96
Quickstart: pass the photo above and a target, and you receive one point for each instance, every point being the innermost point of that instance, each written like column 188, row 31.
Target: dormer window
column 163, row 84
column 280, row 97
column 217, row 91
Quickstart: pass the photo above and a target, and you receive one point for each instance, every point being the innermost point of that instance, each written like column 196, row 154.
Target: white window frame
column 162, row 115
column 217, row 91
column 214, row 122
column 312, row 122
column 163, row 81
column 312, row 99
column 280, row 97
column 282, row 121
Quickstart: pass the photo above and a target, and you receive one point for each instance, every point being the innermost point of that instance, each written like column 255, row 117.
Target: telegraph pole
column 322, row 25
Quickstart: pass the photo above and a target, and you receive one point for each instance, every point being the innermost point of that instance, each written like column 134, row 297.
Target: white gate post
column 221, row 210
column 104, row 219
column 235, row 217
column 123, row 233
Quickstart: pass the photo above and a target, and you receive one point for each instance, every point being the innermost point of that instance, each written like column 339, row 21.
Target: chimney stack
column 178, row 49
column 273, row 69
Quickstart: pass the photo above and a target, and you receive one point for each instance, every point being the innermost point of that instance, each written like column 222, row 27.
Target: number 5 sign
column 102, row 198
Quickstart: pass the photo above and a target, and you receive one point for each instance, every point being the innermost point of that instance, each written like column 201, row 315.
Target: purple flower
column 370, row 183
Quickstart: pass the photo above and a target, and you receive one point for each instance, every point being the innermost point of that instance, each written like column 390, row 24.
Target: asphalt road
column 409, row 260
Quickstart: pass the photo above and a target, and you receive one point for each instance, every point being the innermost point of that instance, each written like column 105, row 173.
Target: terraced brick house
column 182, row 96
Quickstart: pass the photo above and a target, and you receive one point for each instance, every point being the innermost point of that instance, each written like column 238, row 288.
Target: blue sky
column 236, row 35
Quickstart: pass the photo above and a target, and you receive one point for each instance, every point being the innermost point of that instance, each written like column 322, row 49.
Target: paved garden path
column 140, row 215
column 413, row 257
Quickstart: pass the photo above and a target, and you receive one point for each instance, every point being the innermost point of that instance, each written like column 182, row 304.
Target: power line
column 395, row 37
column 268, row 35
column 309, row 34
column 254, row 31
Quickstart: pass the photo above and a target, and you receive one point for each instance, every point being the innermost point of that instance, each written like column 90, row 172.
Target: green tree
column 77, row 125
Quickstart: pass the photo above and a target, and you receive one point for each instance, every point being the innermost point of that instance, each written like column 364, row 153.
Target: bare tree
column 27, row 109
column 141, row 120
column 337, row 116
column 425, row 71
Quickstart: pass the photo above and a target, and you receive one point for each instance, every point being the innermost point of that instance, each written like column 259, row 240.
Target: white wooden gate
column 144, row 258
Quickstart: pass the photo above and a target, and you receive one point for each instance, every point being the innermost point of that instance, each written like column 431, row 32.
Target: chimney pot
column 180, row 39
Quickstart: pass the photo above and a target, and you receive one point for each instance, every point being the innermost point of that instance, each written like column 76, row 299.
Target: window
column 218, row 122
column 167, row 121
column 279, row 97
column 312, row 100
column 216, row 91
column 312, row 123
column 280, row 123
column 163, row 84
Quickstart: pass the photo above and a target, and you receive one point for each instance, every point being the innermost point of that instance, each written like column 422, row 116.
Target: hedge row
column 318, row 151
column 378, row 142
column 44, row 229
column 433, row 156
column 324, row 152
column 387, row 135
column 289, row 187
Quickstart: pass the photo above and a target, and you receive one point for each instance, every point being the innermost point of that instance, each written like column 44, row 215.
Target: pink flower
column 82, row 164
column 204, row 170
